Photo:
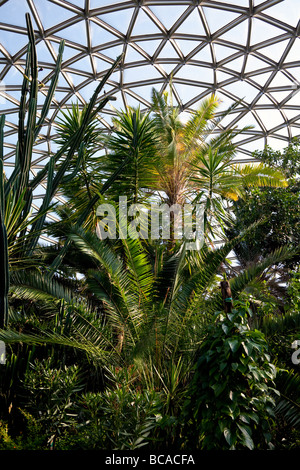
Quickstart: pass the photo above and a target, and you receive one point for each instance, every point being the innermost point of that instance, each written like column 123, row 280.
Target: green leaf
column 231, row 316
column 228, row 436
column 218, row 388
column 234, row 344
column 246, row 437
column 248, row 347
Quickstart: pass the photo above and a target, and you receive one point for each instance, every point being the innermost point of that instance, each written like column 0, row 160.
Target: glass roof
column 245, row 50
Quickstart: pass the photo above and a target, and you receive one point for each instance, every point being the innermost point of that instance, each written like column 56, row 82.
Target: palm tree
column 83, row 180
column 177, row 143
column 219, row 182
column 184, row 162
column 197, row 161
column 132, row 136
column 154, row 311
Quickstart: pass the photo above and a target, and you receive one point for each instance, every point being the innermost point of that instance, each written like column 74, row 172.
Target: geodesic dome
column 244, row 50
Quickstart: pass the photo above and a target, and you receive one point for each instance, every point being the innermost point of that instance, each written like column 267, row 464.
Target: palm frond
column 34, row 286
column 50, row 338
column 288, row 404
column 281, row 254
column 259, row 175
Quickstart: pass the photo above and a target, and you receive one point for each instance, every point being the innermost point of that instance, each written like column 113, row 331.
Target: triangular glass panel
column 74, row 78
column 257, row 144
column 79, row 3
column 295, row 131
column 223, row 52
column 10, row 160
column 235, row 64
column 168, row 51
column 112, row 52
column 238, row 34
column 188, row 92
column 83, row 64
column 295, row 72
column 293, row 54
column 261, row 31
column 275, row 51
column 227, row 120
column 113, row 19
column 13, row 77
column 144, row 92
column 13, row 12
column 291, row 113
column 280, row 80
column 73, row 99
column 135, row 102
column 204, row 55
column 263, row 100
column 246, row 120
column 87, row 91
column 108, row 89
column 192, row 25
column 142, row 73
column 168, row 68
column 294, row 100
column 11, row 139
column 115, row 77
column 257, row 2
column 12, row 118
column 41, row 146
column 149, row 46
column 106, row 119
column 222, row 76
column 100, row 64
column 68, row 52
column 41, row 98
column 217, row 18
column 280, row 95
column 192, row 72
column 276, row 144
column 52, row 14
column 75, row 33
column 62, row 83
column 143, row 25
column 253, row 64
column 168, row 15
column 270, row 118
column 132, row 55
column 287, row 11
column 102, row 3
column 261, row 78
column 242, row 90
column 59, row 96
column 43, row 53
column 117, row 104
column 12, row 42
column 239, row 3
column 284, row 132
column 185, row 46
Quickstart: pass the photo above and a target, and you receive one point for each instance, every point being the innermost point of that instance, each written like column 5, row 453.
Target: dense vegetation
column 132, row 341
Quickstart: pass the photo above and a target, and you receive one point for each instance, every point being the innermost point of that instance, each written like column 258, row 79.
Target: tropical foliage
column 130, row 341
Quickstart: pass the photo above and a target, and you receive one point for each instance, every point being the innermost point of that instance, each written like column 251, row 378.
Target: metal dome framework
column 243, row 50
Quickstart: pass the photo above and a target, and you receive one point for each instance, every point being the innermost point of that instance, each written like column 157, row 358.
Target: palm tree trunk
column 120, row 341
